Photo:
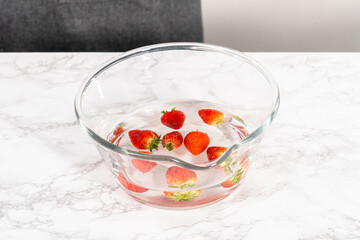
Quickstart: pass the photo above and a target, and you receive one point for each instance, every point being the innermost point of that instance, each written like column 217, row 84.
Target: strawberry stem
column 169, row 146
column 163, row 112
column 184, row 196
column 227, row 168
column 237, row 177
column 240, row 119
column 220, row 122
column 155, row 144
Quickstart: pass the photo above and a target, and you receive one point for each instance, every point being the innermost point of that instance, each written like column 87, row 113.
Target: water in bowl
column 149, row 184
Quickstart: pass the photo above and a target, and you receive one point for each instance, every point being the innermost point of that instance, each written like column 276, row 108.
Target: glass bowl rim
column 192, row 46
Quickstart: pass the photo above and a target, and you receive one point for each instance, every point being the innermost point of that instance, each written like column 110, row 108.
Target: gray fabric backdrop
column 96, row 25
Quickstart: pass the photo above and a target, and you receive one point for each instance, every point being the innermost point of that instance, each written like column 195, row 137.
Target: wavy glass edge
column 170, row 47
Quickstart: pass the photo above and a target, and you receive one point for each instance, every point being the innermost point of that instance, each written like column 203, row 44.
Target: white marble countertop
column 304, row 183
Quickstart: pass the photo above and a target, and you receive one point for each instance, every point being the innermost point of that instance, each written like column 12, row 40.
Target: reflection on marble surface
column 304, row 183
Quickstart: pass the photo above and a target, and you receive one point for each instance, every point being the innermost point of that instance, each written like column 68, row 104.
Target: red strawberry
column 130, row 186
column 234, row 180
column 172, row 140
column 211, row 116
column 196, row 142
column 143, row 166
column 144, row 139
column 115, row 135
column 177, row 177
column 173, row 119
column 182, row 196
column 228, row 184
column 215, row 152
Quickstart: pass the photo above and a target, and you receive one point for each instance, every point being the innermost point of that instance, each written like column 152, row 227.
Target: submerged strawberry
column 144, row 139
column 196, row 142
column 143, row 166
column 130, row 186
column 116, row 134
column 234, row 180
column 182, row 196
column 173, row 119
column 214, row 153
column 211, row 116
column 177, row 177
column 172, row 140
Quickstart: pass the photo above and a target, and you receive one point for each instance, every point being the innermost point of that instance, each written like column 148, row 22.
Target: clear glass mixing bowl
column 190, row 73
